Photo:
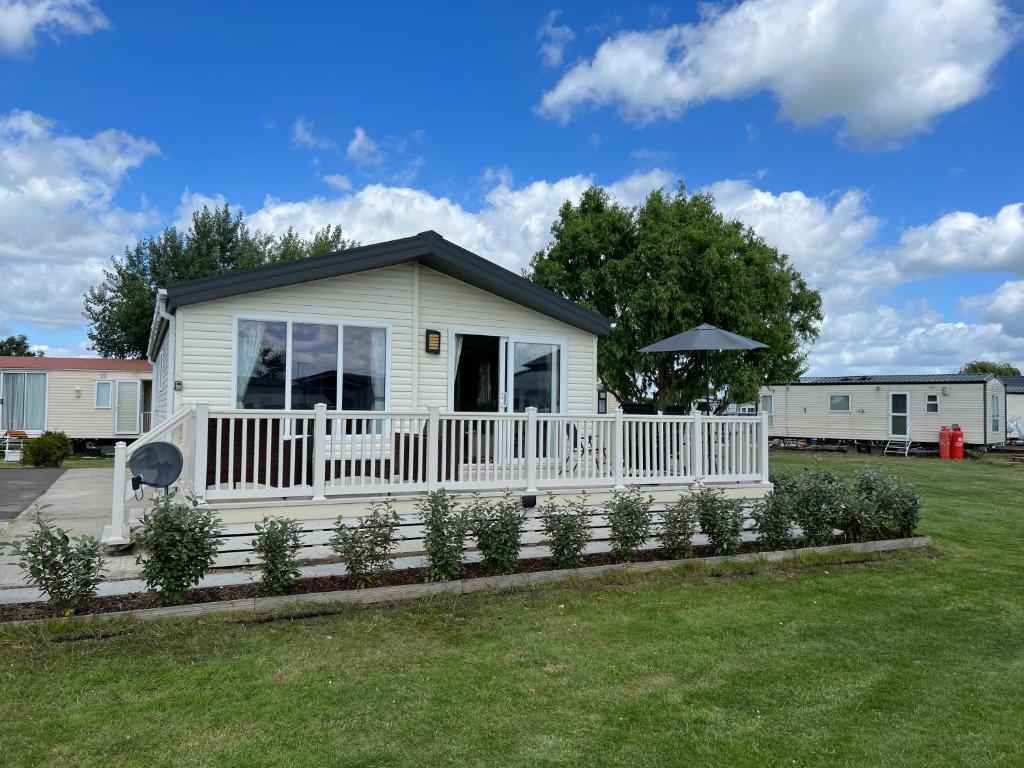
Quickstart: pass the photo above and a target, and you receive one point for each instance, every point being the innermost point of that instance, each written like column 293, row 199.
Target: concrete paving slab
column 20, row 487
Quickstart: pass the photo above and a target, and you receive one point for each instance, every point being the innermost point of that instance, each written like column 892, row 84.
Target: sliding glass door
column 536, row 376
column 23, row 403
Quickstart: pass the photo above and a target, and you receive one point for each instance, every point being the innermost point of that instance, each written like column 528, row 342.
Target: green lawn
column 915, row 660
column 73, row 462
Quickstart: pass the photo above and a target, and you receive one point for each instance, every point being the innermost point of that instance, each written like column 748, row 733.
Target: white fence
column 238, row 455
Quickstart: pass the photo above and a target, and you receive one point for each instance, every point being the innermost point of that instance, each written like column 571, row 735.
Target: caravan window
column 281, row 364
column 839, row 403
column 995, row 414
column 768, row 408
column 103, row 398
column 931, row 404
column 23, row 403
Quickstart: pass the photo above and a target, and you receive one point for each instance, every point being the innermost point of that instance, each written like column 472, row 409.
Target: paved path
column 20, row 487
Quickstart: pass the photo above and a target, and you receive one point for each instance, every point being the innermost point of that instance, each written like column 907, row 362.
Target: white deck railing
column 239, row 455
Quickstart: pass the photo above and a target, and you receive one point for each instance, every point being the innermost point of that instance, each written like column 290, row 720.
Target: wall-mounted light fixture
column 433, row 342
column 78, row 391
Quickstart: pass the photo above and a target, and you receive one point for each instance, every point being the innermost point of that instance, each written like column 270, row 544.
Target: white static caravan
column 874, row 410
column 311, row 387
column 90, row 399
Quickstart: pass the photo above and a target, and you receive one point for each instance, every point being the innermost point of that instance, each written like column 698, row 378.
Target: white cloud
column 553, row 40
column 884, row 69
column 338, row 181
column 833, row 242
column 363, row 150
column 305, row 135
column 59, row 220
column 969, row 241
column 22, row 21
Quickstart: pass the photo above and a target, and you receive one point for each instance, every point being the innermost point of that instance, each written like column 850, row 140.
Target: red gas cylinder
column 957, row 448
column 944, row 443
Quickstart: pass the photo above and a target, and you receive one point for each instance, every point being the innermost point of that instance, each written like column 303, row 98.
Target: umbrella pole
column 707, row 372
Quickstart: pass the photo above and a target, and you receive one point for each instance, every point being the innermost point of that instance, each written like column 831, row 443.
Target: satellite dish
column 156, row 464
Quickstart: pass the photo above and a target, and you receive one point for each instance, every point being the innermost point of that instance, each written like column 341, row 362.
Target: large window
column 24, row 401
column 295, row 365
column 839, row 403
column 536, row 377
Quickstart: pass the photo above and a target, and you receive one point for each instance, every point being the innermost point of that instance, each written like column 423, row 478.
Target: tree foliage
column 987, row 366
column 119, row 310
column 17, row 346
column 668, row 265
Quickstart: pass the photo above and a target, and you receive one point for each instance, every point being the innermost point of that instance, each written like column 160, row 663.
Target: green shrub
column 568, row 530
column 820, row 501
column 67, row 570
column 721, row 519
column 445, row 529
column 678, row 524
column 366, row 547
column 496, row 526
column 895, row 503
column 181, row 543
column 278, row 541
column 773, row 518
column 48, row 450
column 629, row 523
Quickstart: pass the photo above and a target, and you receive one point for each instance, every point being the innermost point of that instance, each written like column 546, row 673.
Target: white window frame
column 289, row 320
column 116, row 409
column 849, row 401
column 994, row 416
column 928, row 401
column 46, row 399
column 110, row 395
column 770, row 410
column 907, row 414
column 507, row 341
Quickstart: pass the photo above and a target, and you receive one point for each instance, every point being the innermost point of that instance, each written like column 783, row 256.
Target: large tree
column 120, row 309
column 668, row 265
column 17, row 346
column 986, row 366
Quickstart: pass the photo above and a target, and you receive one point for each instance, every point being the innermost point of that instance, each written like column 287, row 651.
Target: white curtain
column 35, row 401
column 14, row 400
column 250, row 335
column 458, row 351
column 378, row 366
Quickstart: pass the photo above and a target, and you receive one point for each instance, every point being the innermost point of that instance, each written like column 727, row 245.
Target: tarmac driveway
column 20, row 487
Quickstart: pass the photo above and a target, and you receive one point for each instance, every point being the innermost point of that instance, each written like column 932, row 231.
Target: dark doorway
column 476, row 373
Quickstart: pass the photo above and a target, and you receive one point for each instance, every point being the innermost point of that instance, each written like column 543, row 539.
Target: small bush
column 67, row 570
column 496, row 526
column 678, row 524
column 629, row 523
column 48, row 450
column 366, row 547
column 773, row 518
column 721, row 519
column 895, row 503
column 278, row 541
column 819, row 504
column 445, row 529
column 567, row 529
column 181, row 543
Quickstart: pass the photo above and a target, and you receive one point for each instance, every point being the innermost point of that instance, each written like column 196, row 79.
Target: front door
column 899, row 414
column 126, row 407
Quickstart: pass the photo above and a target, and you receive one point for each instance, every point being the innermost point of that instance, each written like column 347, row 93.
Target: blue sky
column 878, row 146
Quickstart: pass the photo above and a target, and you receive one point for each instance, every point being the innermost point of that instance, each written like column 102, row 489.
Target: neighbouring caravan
column 89, row 399
column 875, row 410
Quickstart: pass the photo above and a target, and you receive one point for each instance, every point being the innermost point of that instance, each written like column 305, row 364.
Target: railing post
column 433, row 432
column 118, row 533
column 199, row 448
column 618, row 450
column 319, row 450
column 763, row 447
column 697, row 447
column 531, row 450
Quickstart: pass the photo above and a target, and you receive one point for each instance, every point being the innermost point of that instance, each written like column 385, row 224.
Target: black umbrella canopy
column 704, row 337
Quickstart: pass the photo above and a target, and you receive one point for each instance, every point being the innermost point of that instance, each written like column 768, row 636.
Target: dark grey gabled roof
column 1014, row 384
column 429, row 248
column 902, row 378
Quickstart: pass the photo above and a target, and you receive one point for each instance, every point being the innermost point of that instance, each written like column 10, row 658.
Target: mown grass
column 915, row 659
column 72, row 462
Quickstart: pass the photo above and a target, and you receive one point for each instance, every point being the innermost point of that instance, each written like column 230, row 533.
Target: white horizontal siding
column 802, row 411
column 204, row 331
column 75, row 414
column 1015, row 407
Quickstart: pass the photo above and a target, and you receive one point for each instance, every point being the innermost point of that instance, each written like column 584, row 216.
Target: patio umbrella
column 705, row 338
